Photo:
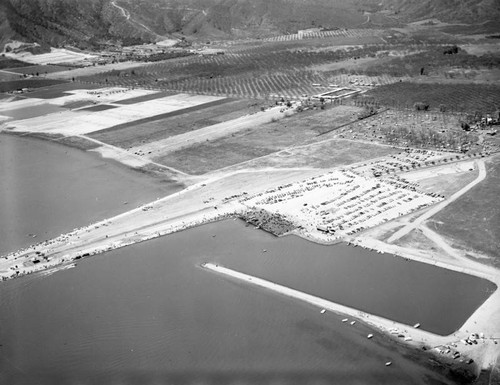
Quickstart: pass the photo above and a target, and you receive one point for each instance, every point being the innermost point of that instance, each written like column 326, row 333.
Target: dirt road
column 435, row 209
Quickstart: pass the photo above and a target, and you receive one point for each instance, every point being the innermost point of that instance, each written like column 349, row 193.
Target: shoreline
column 94, row 240
column 413, row 336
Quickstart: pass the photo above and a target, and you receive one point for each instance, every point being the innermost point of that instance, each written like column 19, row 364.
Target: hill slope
column 90, row 23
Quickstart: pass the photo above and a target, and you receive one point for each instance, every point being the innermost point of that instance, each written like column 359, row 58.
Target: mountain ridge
column 94, row 23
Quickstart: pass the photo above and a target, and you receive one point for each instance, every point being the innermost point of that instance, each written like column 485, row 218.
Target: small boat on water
column 345, row 320
column 353, row 322
column 369, row 336
column 416, row 326
column 388, row 363
column 323, row 311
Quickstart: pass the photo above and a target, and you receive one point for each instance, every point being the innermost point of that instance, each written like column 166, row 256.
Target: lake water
column 47, row 189
column 149, row 314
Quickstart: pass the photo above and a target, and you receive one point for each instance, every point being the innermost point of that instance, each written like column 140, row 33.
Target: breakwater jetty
column 379, row 322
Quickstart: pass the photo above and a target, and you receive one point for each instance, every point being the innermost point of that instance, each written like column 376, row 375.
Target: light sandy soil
column 56, row 56
column 80, row 122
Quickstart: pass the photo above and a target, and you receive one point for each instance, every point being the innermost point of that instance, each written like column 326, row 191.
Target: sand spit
column 463, row 345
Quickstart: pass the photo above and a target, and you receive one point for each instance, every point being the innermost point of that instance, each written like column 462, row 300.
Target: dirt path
column 124, row 12
column 435, row 209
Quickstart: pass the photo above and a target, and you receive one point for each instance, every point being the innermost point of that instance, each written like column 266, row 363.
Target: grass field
column 473, row 220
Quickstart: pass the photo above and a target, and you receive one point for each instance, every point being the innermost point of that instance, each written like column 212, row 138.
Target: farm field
column 273, row 137
column 83, row 122
column 6, row 62
column 7, row 76
column 454, row 97
column 40, row 69
column 13, row 85
column 288, row 69
column 126, row 136
column 472, row 222
column 56, row 56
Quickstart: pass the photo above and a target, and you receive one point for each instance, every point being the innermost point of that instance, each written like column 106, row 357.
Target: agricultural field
column 56, row 56
column 182, row 121
column 37, row 70
column 472, row 222
column 288, row 133
column 6, row 62
column 461, row 97
column 254, row 71
column 8, row 76
column 13, row 85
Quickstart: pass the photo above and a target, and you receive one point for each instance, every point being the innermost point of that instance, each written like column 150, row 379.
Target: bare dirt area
column 473, row 221
column 446, row 180
column 322, row 155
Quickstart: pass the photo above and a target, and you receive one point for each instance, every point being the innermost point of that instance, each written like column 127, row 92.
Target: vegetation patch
column 273, row 223
column 460, row 97
column 99, row 107
column 14, row 85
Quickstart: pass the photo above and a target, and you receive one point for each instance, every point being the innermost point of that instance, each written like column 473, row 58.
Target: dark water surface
column 148, row 314
column 47, row 189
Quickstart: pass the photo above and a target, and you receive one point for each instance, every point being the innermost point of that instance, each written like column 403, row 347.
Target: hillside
column 93, row 23
column 451, row 11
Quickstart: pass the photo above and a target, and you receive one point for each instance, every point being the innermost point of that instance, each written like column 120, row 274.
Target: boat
column 416, row 326
column 323, row 311
column 345, row 320
column 353, row 322
column 369, row 336
column 388, row 363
